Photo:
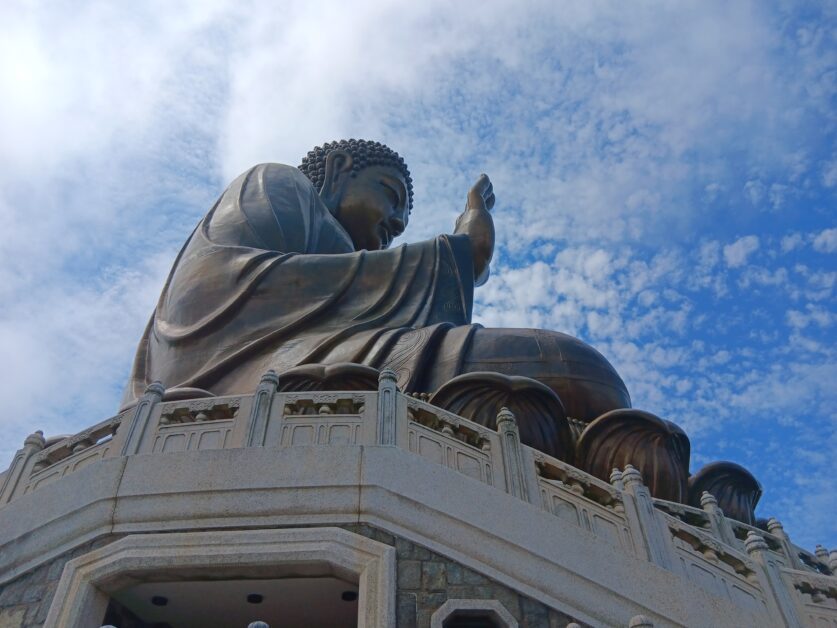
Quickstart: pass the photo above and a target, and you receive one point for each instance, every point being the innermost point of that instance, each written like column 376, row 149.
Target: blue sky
column 665, row 175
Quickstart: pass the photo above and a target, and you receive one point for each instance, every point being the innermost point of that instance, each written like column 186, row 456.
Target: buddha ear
column 338, row 171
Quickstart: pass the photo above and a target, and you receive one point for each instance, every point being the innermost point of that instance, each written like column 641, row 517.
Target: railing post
column 821, row 553
column 260, row 410
column 638, row 499
column 387, row 399
column 774, row 588
column 719, row 523
column 21, row 462
column 512, row 454
column 776, row 529
column 139, row 420
column 616, row 480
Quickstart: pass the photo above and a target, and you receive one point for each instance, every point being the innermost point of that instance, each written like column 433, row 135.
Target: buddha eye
column 392, row 194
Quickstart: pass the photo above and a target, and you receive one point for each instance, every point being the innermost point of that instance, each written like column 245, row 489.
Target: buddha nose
column 397, row 226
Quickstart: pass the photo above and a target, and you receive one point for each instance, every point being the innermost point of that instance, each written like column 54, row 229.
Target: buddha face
column 373, row 207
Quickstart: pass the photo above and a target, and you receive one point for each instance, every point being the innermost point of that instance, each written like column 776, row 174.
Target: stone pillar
column 776, row 529
column 719, row 523
column 616, row 480
column 22, row 462
column 387, row 405
column 822, row 554
column 512, row 454
column 639, row 508
column 260, row 410
column 776, row 593
column 139, row 419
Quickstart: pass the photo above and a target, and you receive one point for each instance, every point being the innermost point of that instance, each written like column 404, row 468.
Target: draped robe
column 269, row 279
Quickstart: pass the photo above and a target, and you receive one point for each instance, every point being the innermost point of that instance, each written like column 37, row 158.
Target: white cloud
column 736, row 254
column 792, row 242
column 755, row 191
column 812, row 314
column 600, row 126
column 63, row 351
column 760, row 276
column 825, row 241
column 778, row 195
column 829, row 174
column 710, row 255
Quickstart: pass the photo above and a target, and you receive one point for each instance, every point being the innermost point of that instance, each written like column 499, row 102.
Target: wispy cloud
column 826, row 241
column 736, row 254
column 630, row 147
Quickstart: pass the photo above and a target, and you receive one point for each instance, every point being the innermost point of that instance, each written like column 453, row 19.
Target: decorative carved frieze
column 541, row 418
column 712, row 549
column 199, row 410
column 821, row 589
column 77, row 442
column 323, row 403
column 580, row 483
column 449, row 424
column 687, row 514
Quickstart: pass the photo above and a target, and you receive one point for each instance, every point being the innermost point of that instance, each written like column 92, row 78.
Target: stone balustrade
column 753, row 568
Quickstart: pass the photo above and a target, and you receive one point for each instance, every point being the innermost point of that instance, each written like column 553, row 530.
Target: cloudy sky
column 665, row 175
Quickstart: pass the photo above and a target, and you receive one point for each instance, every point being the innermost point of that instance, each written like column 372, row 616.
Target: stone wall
column 317, row 456
column 427, row 580
column 25, row 601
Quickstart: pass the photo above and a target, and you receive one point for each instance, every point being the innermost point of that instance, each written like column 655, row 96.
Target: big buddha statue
column 293, row 270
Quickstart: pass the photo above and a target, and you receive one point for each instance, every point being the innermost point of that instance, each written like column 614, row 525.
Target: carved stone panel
column 444, row 449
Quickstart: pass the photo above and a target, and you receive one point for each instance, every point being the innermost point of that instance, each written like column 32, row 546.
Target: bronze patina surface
column 292, row 271
column 288, row 269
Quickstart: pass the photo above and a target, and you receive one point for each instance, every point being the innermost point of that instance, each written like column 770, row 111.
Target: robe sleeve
column 269, row 279
column 273, row 207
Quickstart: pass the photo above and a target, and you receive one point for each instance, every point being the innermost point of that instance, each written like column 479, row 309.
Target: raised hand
column 477, row 223
column 481, row 194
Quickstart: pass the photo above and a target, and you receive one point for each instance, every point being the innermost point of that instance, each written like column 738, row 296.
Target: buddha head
column 366, row 186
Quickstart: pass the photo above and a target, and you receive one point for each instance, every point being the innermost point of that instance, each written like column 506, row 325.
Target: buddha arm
column 476, row 222
column 478, row 225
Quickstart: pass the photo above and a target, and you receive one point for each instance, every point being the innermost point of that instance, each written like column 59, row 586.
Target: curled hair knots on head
column 364, row 153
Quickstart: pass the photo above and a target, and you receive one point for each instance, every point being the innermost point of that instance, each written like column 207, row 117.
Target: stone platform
column 429, row 513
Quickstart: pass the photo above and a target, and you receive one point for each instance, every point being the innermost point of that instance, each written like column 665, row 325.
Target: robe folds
column 269, row 279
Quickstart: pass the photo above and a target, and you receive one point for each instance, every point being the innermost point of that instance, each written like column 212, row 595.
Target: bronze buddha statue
column 294, row 267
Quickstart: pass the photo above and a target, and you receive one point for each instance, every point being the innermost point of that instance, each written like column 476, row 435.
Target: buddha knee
column 581, row 376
